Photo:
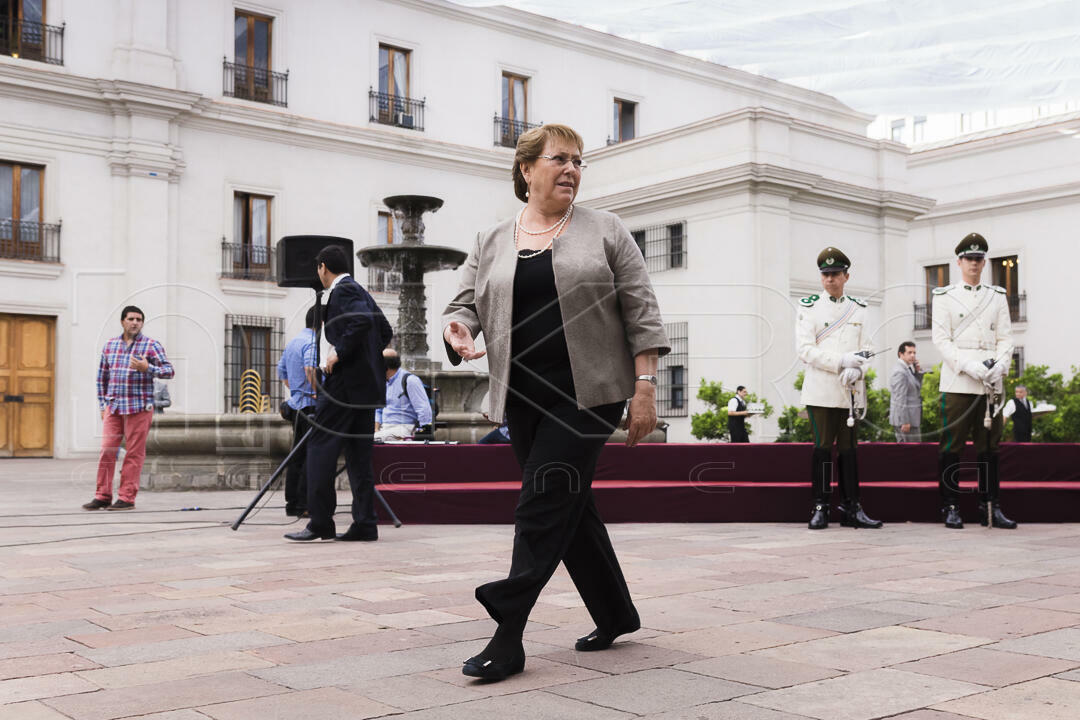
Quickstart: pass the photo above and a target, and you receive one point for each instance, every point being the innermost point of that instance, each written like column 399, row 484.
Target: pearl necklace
column 558, row 227
column 527, row 231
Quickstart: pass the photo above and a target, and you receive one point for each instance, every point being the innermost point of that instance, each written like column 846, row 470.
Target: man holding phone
column 125, row 389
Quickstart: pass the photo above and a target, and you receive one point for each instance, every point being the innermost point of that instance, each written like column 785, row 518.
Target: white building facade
column 161, row 155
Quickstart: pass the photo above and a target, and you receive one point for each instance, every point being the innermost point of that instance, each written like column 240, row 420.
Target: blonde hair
column 530, row 146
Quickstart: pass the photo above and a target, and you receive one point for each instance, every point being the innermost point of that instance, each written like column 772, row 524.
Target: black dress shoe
column 853, row 516
column 306, row 535
column 600, row 640
column 361, row 533
column 952, row 518
column 819, row 520
column 999, row 519
column 487, row 669
column 97, row 504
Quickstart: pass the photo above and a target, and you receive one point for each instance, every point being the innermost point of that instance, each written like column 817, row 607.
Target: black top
column 539, row 358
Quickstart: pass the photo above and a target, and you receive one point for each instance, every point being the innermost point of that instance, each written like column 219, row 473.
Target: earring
column 526, row 193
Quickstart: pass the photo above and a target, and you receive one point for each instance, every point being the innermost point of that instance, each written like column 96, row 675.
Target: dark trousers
column 296, row 473
column 337, row 428
column 962, row 416
column 829, row 425
column 556, row 518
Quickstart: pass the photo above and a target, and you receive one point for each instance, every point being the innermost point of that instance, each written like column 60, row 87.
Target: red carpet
column 722, row 482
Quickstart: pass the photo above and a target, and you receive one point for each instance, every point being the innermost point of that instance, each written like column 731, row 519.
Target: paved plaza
column 172, row 616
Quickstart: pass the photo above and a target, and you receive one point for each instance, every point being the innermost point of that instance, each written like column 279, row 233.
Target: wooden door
column 27, row 367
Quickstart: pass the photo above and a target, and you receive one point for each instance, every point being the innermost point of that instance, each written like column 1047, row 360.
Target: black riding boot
column 851, row 509
column 820, row 483
column 948, row 486
column 991, row 490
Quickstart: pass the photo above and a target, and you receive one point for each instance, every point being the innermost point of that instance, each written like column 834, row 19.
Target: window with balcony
column 249, row 256
column 380, row 279
column 1006, row 274
column 24, row 34
column 936, row 276
column 663, row 246
column 514, row 119
column 624, row 121
column 392, row 104
column 23, row 235
column 671, row 391
column 251, row 76
column 252, row 343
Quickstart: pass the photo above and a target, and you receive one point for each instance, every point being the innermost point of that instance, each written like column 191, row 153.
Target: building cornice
column 1064, row 126
column 759, row 177
column 740, row 115
column 30, row 269
column 1052, row 195
column 558, row 33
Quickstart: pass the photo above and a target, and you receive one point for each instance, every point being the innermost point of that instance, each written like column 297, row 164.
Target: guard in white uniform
column 973, row 332
column 830, row 332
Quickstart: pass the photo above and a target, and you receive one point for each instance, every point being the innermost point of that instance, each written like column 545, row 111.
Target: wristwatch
column 649, row 378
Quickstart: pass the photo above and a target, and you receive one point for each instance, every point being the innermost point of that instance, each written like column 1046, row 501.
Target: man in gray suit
column 905, row 385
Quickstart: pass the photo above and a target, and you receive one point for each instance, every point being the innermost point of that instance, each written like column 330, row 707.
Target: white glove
column 975, row 369
column 850, row 376
column 852, row 360
column 996, row 373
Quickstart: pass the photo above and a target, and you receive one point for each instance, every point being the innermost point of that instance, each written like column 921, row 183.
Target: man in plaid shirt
column 125, row 391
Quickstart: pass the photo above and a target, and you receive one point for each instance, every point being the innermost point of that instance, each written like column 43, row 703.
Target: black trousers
column 296, row 473
column 737, row 430
column 340, row 427
column 556, row 518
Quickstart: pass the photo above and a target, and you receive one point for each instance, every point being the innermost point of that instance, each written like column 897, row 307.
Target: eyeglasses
column 560, row 160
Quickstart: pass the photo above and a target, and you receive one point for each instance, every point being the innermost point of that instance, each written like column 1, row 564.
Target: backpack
column 431, row 392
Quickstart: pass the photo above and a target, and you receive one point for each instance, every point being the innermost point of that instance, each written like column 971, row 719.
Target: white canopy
column 899, row 57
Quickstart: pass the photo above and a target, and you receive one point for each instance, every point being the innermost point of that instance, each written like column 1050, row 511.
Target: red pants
column 132, row 429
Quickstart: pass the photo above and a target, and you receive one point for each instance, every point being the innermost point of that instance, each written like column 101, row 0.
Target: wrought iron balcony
column 248, row 262
column 32, row 41
column 923, row 320
column 24, row 240
column 508, row 131
column 1018, row 307
column 397, row 110
column 255, row 83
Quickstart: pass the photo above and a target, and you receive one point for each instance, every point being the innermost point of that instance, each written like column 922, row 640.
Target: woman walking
column 572, row 327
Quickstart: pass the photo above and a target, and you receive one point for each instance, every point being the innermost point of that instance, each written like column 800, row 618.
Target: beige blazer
column 609, row 310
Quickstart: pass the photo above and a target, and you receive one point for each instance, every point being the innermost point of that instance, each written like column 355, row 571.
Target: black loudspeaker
column 296, row 259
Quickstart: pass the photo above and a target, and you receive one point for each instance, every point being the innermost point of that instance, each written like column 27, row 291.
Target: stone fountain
column 413, row 259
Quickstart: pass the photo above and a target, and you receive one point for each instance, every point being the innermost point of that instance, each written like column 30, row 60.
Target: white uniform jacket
column 821, row 347
column 986, row 335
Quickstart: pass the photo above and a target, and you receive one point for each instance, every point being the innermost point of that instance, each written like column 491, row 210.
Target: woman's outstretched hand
column 458, row 336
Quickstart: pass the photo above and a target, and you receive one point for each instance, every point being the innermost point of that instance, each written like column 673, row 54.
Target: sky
column 900, row 57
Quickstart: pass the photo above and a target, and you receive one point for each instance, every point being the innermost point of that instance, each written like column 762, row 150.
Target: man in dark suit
column 354, row 385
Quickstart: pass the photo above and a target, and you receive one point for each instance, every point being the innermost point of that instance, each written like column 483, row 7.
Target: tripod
column 303, row 441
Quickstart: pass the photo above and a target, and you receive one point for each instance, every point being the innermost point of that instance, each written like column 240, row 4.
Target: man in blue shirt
column 296, row 370
column 407, row 405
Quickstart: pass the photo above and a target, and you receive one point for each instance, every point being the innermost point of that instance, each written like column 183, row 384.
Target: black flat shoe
column 601, row 640
column 492, row 670
column 306, row 535
column 359, row 534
